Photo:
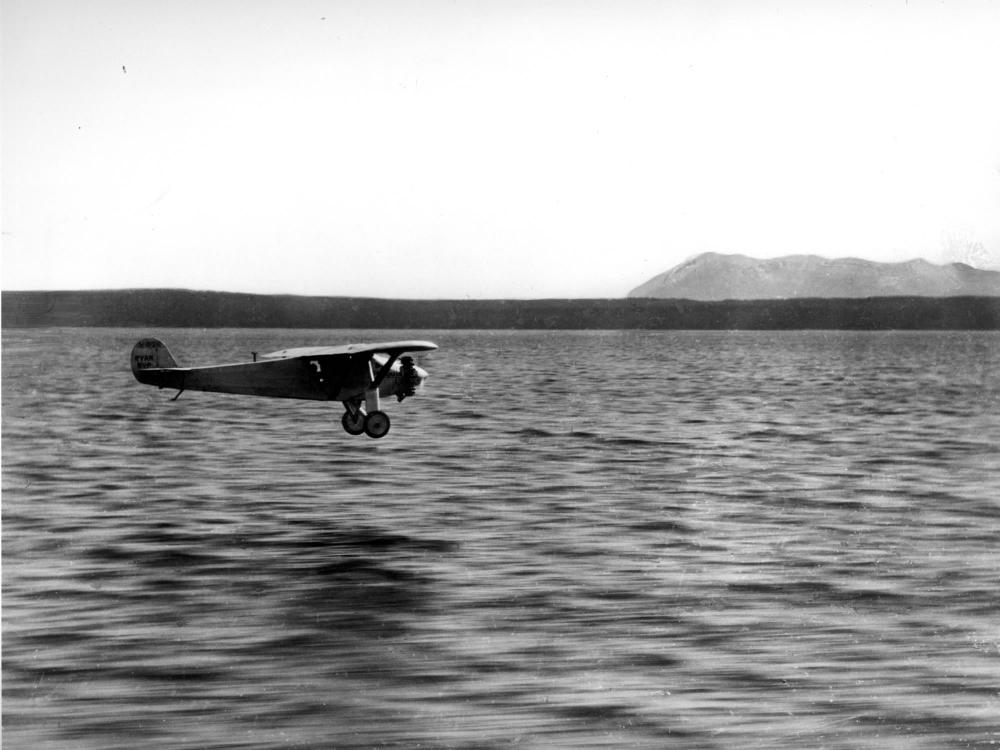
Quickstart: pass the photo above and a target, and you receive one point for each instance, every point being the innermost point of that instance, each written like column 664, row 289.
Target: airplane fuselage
column 318, row 378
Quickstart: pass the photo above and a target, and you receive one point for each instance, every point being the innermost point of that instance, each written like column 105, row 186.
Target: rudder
column 151, row 354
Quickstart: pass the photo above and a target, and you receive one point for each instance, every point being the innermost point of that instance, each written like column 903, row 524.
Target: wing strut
column 385, row 370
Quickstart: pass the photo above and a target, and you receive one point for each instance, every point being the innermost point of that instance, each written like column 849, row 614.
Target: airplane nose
column 409, row 377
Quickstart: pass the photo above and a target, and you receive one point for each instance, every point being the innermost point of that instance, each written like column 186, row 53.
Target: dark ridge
column 193, row 309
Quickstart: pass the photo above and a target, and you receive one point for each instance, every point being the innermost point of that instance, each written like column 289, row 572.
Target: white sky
column 544, row 148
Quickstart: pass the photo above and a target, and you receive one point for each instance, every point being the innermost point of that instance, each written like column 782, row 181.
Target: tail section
column 153, row 365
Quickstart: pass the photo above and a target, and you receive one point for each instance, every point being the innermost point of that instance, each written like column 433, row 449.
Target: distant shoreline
column 185, row 308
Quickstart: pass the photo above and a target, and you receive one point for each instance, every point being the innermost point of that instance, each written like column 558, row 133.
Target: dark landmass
column 712, row 276
column 182, row 308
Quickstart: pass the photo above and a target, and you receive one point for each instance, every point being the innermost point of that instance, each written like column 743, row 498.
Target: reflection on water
column 603, row 539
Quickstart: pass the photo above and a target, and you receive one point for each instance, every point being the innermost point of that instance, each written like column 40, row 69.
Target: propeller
column 409, row 378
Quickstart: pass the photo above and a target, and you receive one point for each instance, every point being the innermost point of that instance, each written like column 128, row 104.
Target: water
column 567, row 540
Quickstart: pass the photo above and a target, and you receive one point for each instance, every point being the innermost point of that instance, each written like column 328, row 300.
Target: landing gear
column 374, row 424
column 363, row 411
column 353, row 422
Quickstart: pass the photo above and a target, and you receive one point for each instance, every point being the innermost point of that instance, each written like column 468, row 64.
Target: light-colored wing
column 389, row 347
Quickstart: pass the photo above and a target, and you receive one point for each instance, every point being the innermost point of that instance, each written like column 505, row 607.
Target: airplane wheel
column 377, row 424
column 354, row 424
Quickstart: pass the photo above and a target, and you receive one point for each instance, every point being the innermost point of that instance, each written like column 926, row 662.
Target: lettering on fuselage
column 317, row 372
column 145, row 361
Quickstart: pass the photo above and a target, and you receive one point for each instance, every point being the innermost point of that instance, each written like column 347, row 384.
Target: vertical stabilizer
column 151, row 354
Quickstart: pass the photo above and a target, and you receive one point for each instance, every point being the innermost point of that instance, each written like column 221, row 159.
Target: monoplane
column 357, row 375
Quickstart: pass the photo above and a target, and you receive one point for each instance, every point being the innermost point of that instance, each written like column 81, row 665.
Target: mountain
column 713, row 276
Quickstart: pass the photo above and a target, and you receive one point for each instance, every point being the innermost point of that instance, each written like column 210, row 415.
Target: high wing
column 348, row 371
column 391, row 348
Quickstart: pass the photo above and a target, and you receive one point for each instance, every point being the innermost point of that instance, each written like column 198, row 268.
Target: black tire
column 377, row 424
column 354, row 424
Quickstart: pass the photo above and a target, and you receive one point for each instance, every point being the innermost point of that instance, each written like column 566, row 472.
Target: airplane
column 357, row 375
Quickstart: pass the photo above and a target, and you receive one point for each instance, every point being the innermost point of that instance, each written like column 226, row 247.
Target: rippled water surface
column 567, row 540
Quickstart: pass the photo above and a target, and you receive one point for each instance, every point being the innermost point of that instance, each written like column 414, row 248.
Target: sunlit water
column 600, row 539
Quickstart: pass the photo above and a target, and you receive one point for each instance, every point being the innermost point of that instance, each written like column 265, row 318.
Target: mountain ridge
column 718, row 277
column 173, row 308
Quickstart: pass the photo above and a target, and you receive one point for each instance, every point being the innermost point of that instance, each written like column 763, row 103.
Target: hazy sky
column 488, row 149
